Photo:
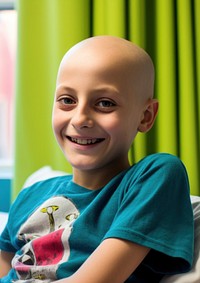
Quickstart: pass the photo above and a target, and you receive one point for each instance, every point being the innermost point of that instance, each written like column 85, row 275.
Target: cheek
column 58, row 121
column 110, row 123
column 115, row 129
column 55, row 121
column 123, row 129
column 117, row 124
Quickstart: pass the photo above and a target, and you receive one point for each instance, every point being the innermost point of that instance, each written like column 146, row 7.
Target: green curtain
column 167, row 29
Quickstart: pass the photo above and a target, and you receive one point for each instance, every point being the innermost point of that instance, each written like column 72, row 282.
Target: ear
column 148, row 116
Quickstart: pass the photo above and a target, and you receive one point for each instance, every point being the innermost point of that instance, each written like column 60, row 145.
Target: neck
column 97, row 178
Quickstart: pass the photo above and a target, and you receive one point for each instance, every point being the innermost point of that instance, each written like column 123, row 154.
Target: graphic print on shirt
column 45, row 235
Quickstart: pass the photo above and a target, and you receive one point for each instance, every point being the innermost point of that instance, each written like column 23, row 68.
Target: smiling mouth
column 84, row 141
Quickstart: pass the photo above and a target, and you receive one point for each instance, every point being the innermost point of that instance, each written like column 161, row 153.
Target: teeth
column 84, row 141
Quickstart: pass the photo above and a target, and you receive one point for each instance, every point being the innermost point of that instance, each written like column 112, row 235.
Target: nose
column 82, row 117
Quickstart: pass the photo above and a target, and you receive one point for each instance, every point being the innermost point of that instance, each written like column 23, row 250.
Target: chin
column 84, row 167
column 82, row 164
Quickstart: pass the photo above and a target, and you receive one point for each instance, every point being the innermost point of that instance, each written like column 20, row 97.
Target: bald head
column 118, row 57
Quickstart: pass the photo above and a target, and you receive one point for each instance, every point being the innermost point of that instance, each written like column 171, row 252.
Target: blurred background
column 34, row 36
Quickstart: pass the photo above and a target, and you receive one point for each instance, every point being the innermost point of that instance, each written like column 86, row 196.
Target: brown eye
column 66, row 103
column 67, row 100
column 106, row 103
column 106, row 106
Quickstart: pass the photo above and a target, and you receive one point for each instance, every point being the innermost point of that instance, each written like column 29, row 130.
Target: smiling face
column 99, row 105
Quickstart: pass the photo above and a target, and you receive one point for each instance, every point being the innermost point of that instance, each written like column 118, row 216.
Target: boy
column 110, row 222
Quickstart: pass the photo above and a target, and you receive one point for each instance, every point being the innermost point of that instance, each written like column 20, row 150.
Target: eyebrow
column 106, row 89
column 64, row 88
column 99, row 89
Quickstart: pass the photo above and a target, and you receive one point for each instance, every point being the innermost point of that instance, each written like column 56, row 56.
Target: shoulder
column 42, row 190
column 49, row 183
column 162, row 158
column 161, row 162
column 161, row 171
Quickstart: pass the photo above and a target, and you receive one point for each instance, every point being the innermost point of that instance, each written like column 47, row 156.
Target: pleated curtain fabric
column 168, row 30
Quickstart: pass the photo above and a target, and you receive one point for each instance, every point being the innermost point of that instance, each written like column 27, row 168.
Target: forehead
column 106, row 62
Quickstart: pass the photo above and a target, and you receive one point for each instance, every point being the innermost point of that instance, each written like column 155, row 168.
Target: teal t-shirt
column 55, row 224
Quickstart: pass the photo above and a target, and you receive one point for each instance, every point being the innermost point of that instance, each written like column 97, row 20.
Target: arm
column 5, row 263
column 112, row 262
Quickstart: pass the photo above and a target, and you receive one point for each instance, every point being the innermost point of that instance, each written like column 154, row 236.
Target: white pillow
column 43, row 173
column 193, row 276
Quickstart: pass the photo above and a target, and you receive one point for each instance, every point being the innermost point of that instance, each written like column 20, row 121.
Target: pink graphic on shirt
column 49, row 249
column 44, row 250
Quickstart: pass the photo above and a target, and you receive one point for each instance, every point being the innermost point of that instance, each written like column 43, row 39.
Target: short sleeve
column 5, row 243
column 8, row 235
column 155, row 211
